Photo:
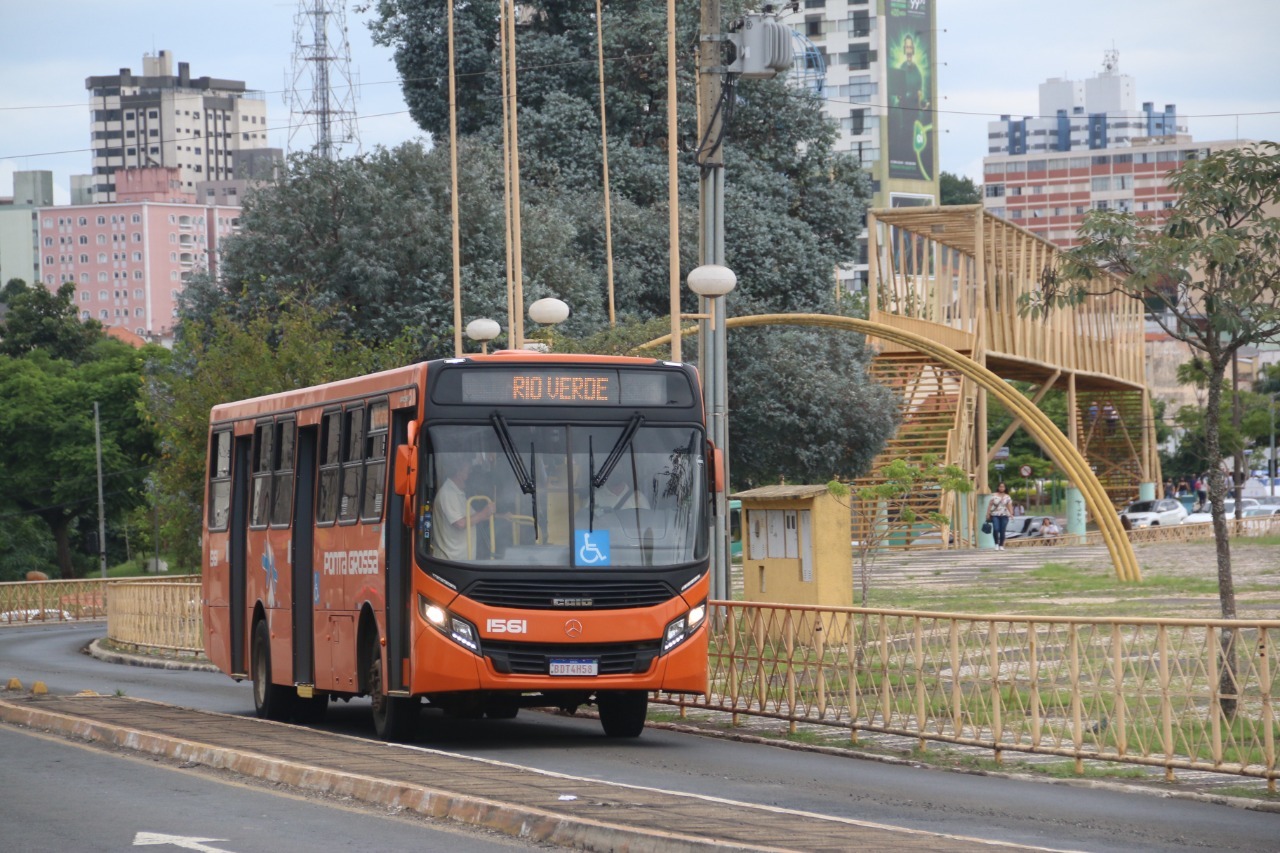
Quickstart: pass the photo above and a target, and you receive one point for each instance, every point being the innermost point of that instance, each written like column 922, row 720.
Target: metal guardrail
column 1138, row 691
column 1156, row 692
column 62, row 600
column 156, row 616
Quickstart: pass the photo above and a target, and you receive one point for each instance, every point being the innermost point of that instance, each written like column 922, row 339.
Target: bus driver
column 450, row 533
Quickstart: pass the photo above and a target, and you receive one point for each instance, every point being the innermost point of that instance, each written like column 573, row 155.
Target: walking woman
column 998, row 512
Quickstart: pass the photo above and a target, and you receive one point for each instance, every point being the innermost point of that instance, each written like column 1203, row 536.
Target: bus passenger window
column 262, row 459
column 220, row 481
column 375, row 456
column 282, row 479
column 352, row 463
column 330, row 459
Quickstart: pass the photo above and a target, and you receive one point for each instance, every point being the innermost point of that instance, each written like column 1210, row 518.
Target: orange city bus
column 483, row 533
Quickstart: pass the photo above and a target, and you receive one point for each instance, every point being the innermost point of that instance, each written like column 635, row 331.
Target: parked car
column 1261, row 510
column 1154, row 513
column 1229, row 507
column 1024, row 527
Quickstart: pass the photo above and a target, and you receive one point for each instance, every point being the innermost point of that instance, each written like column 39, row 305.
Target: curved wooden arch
column 1059, row 447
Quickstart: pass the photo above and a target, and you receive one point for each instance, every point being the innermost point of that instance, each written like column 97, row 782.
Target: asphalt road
column 1064, row 816
column 63, row 796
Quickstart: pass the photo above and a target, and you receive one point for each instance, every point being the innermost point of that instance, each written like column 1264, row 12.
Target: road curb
column 97, row 650
column 518, row 821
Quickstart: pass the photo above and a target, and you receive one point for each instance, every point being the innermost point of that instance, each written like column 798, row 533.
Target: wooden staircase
column 936, row 406
column 1109, row 427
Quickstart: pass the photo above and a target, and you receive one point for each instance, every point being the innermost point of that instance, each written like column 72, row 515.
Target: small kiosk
column 796, row 547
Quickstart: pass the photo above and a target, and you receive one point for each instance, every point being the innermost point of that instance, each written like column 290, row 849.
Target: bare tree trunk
column 1222, row 540
column 61, row 530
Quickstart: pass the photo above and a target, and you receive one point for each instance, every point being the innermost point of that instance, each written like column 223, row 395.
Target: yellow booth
column 795, row 546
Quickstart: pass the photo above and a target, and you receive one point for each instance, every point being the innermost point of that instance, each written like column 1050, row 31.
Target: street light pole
column 1271, row 459
column 712, row 340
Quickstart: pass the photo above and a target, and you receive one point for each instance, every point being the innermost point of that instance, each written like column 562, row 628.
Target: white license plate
column 575, row 667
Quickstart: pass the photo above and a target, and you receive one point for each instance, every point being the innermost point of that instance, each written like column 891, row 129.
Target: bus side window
column 262, row 461
column 220, row 480
column 282, row 478
column 375, row 463
column 352, row 463
column 330, row 460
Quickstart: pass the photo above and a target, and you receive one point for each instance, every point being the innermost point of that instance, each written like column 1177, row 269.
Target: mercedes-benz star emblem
column 573, row 628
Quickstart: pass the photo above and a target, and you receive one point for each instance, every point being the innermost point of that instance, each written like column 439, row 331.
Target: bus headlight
column 679, row 630
column 454, row 627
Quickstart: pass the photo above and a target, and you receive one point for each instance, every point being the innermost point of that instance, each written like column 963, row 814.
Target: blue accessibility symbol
column 592, row 547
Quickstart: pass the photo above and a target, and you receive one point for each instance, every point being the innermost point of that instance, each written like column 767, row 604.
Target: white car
column 1263, row 510
column 1154, row 513
column 1229, row 510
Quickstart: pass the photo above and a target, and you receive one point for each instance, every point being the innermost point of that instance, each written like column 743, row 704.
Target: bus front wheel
column 393, row 716
column 270, row 701
column 622, row 713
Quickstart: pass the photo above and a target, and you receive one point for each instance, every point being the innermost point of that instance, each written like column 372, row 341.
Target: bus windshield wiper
column 527, row 484
column 624, row 441
column 591, row 471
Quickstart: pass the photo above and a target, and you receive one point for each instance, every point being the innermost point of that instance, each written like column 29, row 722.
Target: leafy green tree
column 47, row 442
column 829, row 421
column 954, row 189
column 26, row 544
column 795, row 204
column 234, row 359
column 38, row 318
column 1212, row 269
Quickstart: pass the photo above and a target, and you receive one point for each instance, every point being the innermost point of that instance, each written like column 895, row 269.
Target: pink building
column 130, row 260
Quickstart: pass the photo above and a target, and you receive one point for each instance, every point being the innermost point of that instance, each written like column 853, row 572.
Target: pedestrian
column 1093, row 413
column 1049, row 527
column 998, row 512
column 1202, row 485
column 1168, row 489
column 1111, row 416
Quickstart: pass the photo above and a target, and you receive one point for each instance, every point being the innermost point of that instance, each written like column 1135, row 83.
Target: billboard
column 912, row 86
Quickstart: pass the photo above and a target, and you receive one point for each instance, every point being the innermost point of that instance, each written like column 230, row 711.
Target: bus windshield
column 595, row 496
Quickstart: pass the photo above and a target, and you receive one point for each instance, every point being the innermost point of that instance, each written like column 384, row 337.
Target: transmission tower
column 321, row 97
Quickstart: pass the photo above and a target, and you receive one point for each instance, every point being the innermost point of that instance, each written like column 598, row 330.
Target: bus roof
column 385, row 381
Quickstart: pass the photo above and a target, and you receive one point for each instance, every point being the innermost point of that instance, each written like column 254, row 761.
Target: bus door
column 399, row 567
column 240, row 478
column 305, row 589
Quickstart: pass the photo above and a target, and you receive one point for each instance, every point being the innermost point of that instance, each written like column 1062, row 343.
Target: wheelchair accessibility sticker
column 592, row 547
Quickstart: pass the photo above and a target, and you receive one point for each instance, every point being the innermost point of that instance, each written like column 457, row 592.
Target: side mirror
column 716, row 456
column 407, row 469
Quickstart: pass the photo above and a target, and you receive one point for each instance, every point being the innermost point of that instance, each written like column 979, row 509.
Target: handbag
column 986, row 527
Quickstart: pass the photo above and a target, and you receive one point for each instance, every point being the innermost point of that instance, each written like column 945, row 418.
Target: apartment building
column 1089, row 148
column 130, row 259
column 19, row 231
column 160, row 118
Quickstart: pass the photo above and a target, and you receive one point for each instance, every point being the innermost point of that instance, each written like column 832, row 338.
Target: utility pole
column 102, row 515
column 761, row 49
column 711, row 210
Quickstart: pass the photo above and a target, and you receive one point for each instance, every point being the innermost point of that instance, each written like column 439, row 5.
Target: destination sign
column 563, row 386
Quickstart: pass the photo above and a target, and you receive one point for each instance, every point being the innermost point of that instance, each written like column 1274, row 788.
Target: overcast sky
column 1216, row 61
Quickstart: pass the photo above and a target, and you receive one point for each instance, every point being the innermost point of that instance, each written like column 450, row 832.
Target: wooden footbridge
column 958, row 275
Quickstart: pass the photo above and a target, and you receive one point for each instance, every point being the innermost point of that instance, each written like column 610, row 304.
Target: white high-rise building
column 879, row 59
column 1075, row 115
column 167, row 120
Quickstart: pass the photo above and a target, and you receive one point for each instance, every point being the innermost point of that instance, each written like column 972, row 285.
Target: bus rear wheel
column 270, row 701
column 393, row 716
column 622, row 713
